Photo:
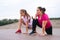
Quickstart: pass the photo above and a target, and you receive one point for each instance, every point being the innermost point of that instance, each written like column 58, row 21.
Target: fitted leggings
column 35, row 22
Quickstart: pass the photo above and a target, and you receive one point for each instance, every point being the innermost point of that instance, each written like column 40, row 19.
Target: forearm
column 26, row 27
column 35, row 17
column 19, row 24
column 43, row 29
column 44, row 26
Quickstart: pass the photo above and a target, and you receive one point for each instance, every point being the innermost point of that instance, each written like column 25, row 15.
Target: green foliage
column 10, row 21
column 7, row 21
column 54, row 18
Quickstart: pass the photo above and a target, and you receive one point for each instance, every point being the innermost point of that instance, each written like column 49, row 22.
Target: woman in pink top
column 42, row 21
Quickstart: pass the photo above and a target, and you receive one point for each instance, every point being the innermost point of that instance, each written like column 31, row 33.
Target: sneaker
column 32, row 33
column 18, row 31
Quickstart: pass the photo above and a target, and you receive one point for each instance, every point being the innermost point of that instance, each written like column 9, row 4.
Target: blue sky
column 10, row 8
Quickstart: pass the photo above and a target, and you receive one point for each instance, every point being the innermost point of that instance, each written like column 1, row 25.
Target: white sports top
column 25, row 19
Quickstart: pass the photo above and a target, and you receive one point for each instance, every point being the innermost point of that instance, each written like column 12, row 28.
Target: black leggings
column 35, row 22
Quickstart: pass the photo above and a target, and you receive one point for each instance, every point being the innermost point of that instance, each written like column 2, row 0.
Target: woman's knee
column 34, row 20
column 49, row 31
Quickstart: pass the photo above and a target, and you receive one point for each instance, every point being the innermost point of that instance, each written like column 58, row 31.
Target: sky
column 10, row 8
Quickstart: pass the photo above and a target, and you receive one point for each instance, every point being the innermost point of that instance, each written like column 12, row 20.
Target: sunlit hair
column 24, row 11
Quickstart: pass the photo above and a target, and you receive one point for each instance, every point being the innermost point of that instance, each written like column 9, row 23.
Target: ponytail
column 42, row 9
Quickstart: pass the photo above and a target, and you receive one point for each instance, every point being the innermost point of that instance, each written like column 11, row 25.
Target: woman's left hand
column 42, row 34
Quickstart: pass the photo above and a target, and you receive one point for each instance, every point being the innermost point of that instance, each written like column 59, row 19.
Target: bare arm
column 27, row 27
column 20, row 22
column 43, row 26
column 35, row 16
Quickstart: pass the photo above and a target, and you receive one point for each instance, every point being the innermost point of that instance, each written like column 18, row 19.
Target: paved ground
column 9, row 34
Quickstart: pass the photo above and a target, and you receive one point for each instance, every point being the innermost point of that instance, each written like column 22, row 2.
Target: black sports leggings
column 35, row 22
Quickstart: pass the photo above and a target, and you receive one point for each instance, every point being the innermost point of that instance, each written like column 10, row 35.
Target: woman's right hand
column 35, row 16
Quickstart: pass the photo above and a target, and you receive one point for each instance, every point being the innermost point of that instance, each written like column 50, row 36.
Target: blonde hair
column 24, row 11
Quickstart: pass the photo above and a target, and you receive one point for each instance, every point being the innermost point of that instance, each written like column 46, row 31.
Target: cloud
column 10, row 8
